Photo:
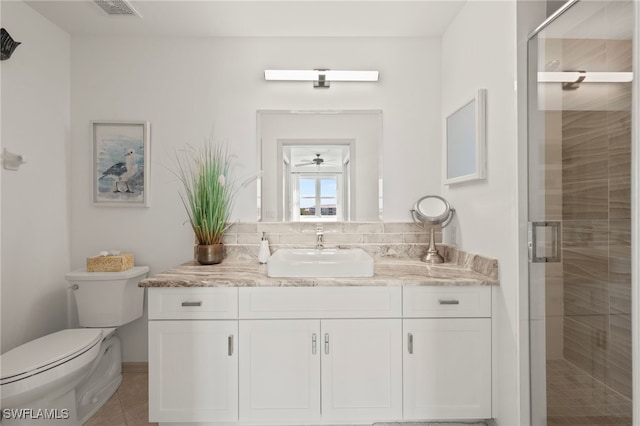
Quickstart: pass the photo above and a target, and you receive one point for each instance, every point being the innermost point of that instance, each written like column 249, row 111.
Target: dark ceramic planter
column 210, row 254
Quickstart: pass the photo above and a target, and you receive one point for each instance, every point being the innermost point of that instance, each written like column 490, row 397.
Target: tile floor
column 129, row 406
column 576, row 398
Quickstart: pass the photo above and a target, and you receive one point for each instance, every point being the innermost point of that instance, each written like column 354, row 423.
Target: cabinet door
column 361, row 370
column 447, row 368
column 280, row 371
column 193, row 371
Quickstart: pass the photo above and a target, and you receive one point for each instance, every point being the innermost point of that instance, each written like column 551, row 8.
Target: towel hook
column 11, row 161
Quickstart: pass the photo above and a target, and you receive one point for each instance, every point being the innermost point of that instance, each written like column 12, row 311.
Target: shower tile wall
column 596, row 177
column 554, row 289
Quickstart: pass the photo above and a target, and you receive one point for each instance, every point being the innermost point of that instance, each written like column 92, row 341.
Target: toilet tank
column 108, row 299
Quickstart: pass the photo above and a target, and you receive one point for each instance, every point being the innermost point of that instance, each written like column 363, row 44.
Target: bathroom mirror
column 319, row 166
column 464, row 148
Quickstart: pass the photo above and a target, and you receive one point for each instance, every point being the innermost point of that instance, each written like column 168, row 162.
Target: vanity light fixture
column 321, row 77
column 571, row 79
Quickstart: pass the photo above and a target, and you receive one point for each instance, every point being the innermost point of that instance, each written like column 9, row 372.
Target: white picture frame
column 465, row 141
column 121, row 163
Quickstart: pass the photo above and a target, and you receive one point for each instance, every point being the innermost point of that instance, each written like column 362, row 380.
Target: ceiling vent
column 117, row 7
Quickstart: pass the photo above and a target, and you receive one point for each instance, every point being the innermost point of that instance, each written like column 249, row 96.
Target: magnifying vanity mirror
column 432, row 210
column 319, row 166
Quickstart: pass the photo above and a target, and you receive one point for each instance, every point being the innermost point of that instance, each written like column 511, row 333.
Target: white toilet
column 65, row 377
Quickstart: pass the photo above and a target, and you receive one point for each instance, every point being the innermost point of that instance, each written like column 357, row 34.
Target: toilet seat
column 46, row 353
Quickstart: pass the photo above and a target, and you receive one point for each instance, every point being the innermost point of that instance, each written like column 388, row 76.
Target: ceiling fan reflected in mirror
column 317, row 161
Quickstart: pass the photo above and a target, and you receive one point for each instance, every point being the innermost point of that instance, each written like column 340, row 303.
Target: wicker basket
column 118, row 263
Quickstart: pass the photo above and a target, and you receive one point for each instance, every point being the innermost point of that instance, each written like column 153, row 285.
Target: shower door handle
column 537, row 237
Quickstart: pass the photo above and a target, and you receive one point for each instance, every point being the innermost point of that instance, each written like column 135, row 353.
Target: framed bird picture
column 121, row 160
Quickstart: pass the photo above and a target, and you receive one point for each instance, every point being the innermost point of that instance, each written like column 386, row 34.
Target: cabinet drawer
column 320, row 302
column 193, row 303
column 429, row 302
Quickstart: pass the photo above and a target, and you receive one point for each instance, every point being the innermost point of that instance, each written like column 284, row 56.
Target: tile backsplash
column 379, row 239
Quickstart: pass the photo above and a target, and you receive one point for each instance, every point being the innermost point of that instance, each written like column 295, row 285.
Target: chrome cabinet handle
column 448, row 302
column 410, row 343
column 199, row 303
column 314, row 344
column 326, row 343
column 230, row 344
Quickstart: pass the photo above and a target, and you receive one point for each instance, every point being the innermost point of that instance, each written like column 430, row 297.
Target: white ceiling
column 262, row 18
column 333, row 155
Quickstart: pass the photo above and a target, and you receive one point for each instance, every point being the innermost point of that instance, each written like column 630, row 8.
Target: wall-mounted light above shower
column 571, row 79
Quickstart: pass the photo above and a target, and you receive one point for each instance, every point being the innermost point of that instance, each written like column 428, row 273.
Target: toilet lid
column 47, row 351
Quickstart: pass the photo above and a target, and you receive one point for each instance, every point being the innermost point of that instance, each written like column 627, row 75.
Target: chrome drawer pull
column 230, row 344
column 449, row 302
column 326, row 343
column 192, row 303
column 314, row 344
column 410, row 343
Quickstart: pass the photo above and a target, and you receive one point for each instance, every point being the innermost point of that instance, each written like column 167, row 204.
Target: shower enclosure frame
column 525, row 365
column 635, row 216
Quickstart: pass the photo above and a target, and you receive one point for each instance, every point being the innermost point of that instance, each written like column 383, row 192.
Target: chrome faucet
column 319, row 237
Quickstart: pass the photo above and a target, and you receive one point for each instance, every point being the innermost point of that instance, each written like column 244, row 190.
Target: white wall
column 479, row 51
column 187, row 86
column 35, row 222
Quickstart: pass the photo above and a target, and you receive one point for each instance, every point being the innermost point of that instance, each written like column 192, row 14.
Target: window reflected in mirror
column 320, row 166
column 316, row 180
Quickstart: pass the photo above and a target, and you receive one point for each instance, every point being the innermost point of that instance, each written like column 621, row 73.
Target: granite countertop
column 387, row 272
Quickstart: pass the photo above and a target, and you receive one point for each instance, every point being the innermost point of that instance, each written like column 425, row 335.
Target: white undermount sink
column 353, row 262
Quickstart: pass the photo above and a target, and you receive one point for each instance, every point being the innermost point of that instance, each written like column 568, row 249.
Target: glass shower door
column 580, row 72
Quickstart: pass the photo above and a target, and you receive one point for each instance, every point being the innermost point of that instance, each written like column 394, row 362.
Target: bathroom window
column 316, row 198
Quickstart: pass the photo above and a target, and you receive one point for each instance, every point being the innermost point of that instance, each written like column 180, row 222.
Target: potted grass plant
column 208, row 195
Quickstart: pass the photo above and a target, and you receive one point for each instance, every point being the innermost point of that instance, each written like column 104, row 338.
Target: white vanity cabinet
column 319, row 355
column 333, row 355
column 193, row 356
column 280, row 371
column 447, row 353
column 361, row 370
